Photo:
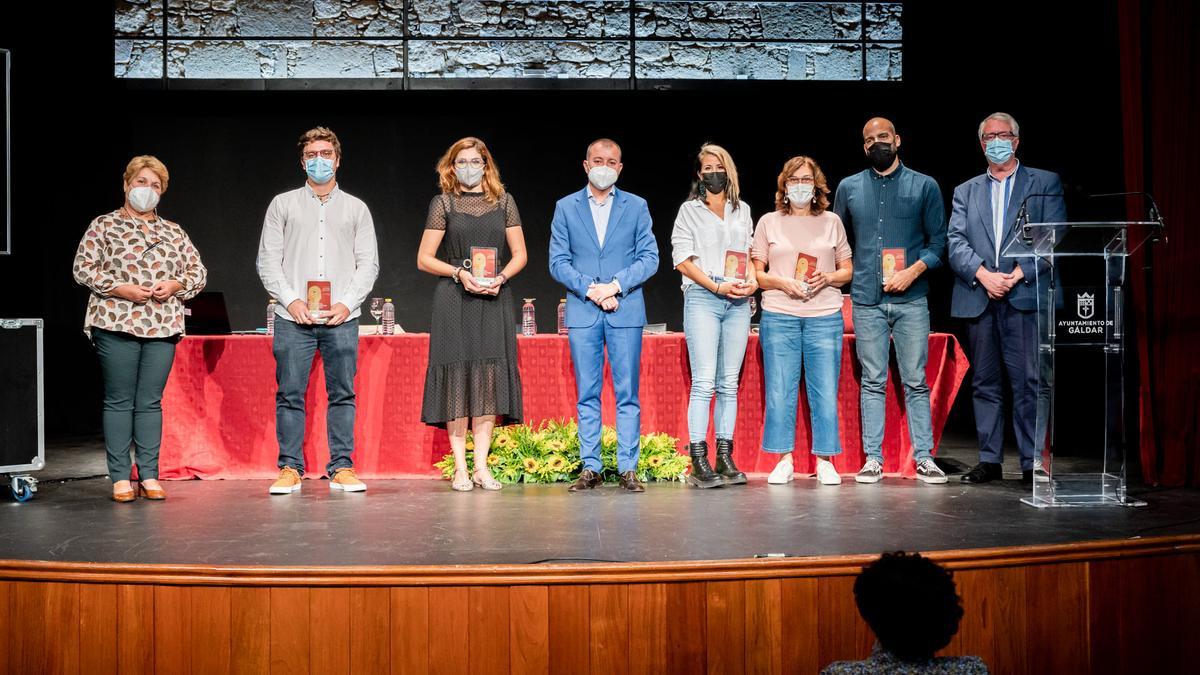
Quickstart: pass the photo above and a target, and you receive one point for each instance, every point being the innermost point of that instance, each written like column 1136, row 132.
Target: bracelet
column 454, row 274
column 499, row 277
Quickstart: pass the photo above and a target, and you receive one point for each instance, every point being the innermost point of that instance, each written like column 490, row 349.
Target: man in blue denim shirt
column 890, row 206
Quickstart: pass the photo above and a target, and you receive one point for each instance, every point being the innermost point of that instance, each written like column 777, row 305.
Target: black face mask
column 881, row 155
column 716, row 181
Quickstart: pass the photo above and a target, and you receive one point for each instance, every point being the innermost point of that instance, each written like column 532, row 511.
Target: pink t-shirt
column 780, row 239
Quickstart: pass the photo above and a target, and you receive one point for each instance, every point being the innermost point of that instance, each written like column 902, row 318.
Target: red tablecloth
column 219, row 405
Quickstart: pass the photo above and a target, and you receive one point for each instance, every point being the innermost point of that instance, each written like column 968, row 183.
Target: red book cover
column 320, row 297
column 483, row 264
column 806, row 266
column 735, row 265
column 893, row 259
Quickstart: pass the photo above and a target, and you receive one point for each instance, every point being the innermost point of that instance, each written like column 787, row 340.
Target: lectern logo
column 1085, row 305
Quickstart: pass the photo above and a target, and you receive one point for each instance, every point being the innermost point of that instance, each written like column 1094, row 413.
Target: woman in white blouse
column 710, row 248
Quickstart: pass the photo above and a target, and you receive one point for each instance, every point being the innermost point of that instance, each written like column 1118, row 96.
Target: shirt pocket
column 907, row 208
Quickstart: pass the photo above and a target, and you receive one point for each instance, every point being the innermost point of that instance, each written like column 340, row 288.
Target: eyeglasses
column 464, row 163
column 806, row 180
column 327, row 154
column 1002, row 135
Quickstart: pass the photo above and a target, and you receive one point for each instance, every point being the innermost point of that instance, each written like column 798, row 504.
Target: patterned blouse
column 116, row 251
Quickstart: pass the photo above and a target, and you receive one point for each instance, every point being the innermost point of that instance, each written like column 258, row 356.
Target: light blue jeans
column 716, row 329
column 791, row 345
column 907, row 325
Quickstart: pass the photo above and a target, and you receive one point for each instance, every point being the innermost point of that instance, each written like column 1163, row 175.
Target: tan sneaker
column 345, row 480
column 287, row 483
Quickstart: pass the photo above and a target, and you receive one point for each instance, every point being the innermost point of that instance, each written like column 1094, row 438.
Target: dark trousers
column 134, row 371
column 1004, row 339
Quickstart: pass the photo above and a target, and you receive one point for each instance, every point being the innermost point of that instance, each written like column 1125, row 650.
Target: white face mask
column 469, row 176
column 800, row 194
column 143, row 199
column 602, row 177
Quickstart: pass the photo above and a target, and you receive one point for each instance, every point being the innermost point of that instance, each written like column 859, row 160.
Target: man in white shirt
column 318, row 258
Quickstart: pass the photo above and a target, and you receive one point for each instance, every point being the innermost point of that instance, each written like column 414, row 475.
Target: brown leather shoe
column 630, row 483
column 157, row 494
column 587, row 480
column 123, row 495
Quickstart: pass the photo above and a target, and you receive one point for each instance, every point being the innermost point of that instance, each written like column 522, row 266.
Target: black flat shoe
column 983, row 472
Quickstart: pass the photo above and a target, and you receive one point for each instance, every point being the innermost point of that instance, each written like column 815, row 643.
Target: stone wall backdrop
column 511, row 39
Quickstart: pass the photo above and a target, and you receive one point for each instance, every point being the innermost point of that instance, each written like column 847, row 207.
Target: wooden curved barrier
column 1110, row 606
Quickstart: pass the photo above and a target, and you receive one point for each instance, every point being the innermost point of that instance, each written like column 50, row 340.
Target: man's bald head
column 877, row 124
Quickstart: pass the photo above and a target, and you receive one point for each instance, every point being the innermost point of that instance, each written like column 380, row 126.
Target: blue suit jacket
column 629, row 256
column 972, row 241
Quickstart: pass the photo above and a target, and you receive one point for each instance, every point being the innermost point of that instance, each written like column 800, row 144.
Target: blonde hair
column 732, row 190
column 319, row 134
column 820, row 185
column 448, row 181
column 151, row 162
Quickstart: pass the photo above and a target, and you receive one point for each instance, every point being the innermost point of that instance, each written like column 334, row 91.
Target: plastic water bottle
column 528, row 322
column 271, row 316
column 389, row 317
column 562, row 316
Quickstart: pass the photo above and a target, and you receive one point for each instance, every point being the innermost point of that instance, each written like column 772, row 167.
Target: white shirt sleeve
column 270, row 256
column 366, row 261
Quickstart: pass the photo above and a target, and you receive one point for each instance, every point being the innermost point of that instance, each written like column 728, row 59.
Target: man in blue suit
column 602, row 250
column 998, row 294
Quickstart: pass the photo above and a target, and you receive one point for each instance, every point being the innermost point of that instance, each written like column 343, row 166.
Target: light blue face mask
column 319, row 169
column 998, row 151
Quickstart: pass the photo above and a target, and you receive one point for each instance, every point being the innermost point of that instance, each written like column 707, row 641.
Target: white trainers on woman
column 826, row 474
column 782, row 473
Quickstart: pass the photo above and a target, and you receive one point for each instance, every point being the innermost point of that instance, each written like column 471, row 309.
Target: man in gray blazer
column 998, row 295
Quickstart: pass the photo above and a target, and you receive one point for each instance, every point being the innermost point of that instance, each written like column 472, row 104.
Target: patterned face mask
column 143, row 199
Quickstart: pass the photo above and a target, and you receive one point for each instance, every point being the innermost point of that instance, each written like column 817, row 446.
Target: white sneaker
column 826, row 474
column 782, row 473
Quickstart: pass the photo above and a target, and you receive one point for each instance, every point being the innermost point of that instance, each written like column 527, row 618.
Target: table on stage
column 219, row 405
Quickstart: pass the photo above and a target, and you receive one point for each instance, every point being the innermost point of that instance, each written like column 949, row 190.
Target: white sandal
column 488, row 482
column 464, row 485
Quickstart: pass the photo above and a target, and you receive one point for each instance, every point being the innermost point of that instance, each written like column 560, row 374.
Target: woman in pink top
column 802, row 257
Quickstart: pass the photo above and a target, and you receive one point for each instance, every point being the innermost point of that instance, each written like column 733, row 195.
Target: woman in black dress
column 472, row 375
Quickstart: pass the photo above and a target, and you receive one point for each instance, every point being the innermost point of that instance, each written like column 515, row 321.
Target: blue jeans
column 294, row 347
column 625, row 357
column 790, row 345
column 716, row 329
column 907, row 325
column 135, row 373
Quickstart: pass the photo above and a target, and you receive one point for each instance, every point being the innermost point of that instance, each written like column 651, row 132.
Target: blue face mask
column 998, row 151
column 319, row 169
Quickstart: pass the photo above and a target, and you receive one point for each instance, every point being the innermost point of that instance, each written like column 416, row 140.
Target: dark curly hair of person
column 910, row 603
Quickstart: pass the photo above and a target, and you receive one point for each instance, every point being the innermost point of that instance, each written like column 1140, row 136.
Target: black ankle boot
column 725, row 466
column 702, row 474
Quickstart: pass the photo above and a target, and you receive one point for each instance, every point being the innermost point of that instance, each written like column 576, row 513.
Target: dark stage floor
column 423, row 522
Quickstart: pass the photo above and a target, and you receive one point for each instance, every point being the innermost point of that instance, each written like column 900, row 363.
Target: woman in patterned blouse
column 139, row 268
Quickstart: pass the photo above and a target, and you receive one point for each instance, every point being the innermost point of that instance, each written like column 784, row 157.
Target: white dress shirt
column 305, row 239
column 700, row 234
